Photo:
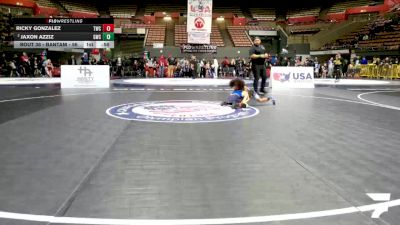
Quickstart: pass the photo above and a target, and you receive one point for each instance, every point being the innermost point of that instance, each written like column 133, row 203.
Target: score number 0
column 108, row 27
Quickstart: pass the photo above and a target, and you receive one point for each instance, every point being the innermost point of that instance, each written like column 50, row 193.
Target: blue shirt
column 238, row 93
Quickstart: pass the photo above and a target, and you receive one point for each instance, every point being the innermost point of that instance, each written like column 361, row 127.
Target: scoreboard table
column 64, row 33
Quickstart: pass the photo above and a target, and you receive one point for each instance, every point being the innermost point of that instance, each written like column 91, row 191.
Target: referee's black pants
column 259, row 71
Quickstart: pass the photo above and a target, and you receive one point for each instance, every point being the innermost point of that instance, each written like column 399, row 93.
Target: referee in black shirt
column 258, row 55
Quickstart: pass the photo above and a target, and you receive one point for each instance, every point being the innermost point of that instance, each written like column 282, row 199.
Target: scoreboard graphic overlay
column 64, row 33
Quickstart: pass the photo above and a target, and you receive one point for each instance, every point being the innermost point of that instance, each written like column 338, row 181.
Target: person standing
column 193, row 67
column 317, row 68
column 171, row 66
column 85, row 59
column 215, row 68
column 72, row 61
column 258, row 55
column 338, row 67
column 119, row 65
column 330, row 67
column 162, row 64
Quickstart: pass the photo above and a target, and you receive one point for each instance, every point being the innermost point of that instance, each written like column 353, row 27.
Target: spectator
column 338, row 67
column 119, row 66
column 126, row 66
column 356, row 61
column 215, row 68
column 225, row 66
column 49, row 68
column 32, row 65
column 85, row 59
column 285, row 61
column 240, row 68
column 324, row 70
column 330, row 67
column 202, row 68
column 162, row 62
column 171, row 66
column 232, row 67
column 298, row 61
column 317, row 67
column 364, row 61
column 198, row 66
column 208, row 69
column 13, row 68
column 292, row 62
column 193, row 66
column 3, row 64
column 93, row 61
column 24, row 65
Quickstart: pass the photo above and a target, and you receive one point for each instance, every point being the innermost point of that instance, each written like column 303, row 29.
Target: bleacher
column 263, row 13
column 165, row 7
column 79, row 7
column 386, row 40
column 383, row 40
column 308, row 28
column 123, row 11
column 156, row 34
column 4, row 26
column 16, row 11
column 136, row 25
column 303, row 12
column 46, row 3
column 216, row 37
column 341, row 7
column 239, row 36
column 304, row 30
column 228, row 9
column 181, row 36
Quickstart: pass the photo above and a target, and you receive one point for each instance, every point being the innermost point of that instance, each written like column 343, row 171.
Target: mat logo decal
column 185, row 111
column 281, row 77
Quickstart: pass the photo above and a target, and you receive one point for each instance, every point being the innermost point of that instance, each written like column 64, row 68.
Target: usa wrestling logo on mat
column 179, row 112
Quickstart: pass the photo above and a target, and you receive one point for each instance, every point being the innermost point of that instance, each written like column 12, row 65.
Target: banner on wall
column 292, row 77
column 199, row 38
column 85, row 76
column 190, row 48
column 199, row 16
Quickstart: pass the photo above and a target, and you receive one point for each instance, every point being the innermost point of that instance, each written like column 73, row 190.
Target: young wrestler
column 241, row 95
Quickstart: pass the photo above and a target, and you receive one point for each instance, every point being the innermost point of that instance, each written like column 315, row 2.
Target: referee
column 258, row 55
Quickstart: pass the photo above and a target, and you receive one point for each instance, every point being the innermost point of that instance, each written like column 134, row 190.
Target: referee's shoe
column 263, row 92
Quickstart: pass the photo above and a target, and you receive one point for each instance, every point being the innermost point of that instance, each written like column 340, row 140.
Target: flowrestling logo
column 185, row 111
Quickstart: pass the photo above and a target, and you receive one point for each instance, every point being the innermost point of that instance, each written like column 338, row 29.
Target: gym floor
column 317, row 150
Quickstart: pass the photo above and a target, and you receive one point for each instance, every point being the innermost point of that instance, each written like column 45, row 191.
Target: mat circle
column 179, row 111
